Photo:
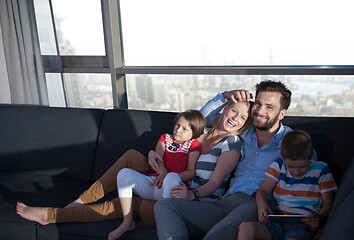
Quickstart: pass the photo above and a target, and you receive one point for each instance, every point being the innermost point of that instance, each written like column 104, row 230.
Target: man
column 178, row 219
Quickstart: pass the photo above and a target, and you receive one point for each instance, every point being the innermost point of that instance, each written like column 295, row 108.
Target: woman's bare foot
column 124, row 227
column 78, row 202
column 38, row 214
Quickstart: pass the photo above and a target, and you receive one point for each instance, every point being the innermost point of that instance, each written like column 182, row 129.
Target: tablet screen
column 287, row 218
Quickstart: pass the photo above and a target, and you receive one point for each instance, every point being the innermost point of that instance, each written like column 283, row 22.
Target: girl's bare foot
column 78, row 202
column 37, row 214
column 124, row 227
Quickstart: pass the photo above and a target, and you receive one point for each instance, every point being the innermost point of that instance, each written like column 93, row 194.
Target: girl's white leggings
column 129, row 181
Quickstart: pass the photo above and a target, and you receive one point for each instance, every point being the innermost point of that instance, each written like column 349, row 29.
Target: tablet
column 287, row 218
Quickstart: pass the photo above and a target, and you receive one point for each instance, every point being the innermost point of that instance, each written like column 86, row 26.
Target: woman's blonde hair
column 217, row 120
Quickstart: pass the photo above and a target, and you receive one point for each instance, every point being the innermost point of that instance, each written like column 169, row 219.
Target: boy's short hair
column 296, row 145
column 196, row 120
column 272, row 86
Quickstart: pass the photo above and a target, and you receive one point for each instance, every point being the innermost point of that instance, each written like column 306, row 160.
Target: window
column 88, row 90
column 72, row 45
column 236, row 32
column 79, row 27
column 78, row 32
column 45, row 27
column 175, row 55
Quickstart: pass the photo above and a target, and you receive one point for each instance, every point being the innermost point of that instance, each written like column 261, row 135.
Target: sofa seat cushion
column 35, row 190
column 96, row 230
column 39, row 190
column 52, row 191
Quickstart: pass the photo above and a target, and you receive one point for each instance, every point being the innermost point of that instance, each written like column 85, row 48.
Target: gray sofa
column 48, row 156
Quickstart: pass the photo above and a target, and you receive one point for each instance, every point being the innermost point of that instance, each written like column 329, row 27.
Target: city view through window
column 312, row 95
column 207, row 41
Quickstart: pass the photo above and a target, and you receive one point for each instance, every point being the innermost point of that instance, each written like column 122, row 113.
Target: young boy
column 300, row 186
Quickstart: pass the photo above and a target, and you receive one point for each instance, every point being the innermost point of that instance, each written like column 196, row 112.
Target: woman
column 220, row 145
column 221, row 148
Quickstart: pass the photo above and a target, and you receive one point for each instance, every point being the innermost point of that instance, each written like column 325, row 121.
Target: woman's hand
column 153, row 157
column 313, row 220
column 159, row 179
column 181, row 191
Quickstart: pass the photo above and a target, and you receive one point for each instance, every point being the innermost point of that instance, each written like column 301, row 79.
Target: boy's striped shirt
column 300, row 195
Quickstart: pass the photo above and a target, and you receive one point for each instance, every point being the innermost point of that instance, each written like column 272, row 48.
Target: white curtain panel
column 22, row 75
column 5, row 96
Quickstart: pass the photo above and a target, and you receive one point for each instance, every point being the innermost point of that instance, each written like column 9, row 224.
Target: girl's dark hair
column 196, row 120
column 296, row 145
column 271, row 86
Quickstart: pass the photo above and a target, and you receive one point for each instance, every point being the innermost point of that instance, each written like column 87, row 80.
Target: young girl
column 177, row 155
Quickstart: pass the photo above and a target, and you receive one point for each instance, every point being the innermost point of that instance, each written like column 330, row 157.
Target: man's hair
column 271, row 86
column 296, row 145
column 196, row 121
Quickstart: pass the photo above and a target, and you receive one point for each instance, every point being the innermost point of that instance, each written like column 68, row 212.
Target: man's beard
column 266, row 125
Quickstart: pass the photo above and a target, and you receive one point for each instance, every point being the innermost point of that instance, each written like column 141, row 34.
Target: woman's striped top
column 207, row 162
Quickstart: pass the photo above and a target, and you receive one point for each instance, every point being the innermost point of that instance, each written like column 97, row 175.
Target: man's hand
column 238, row 95
column 153, row 158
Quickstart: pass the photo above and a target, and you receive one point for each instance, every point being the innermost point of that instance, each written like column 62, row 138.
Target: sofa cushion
column 53, row 191
column 17, row 230
column 93, row 231
column 39, row 190
column 345, row 189
column 49, row 141
column 122, row 130
column 33, row 190
column 339, row 220
column 12, row 226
